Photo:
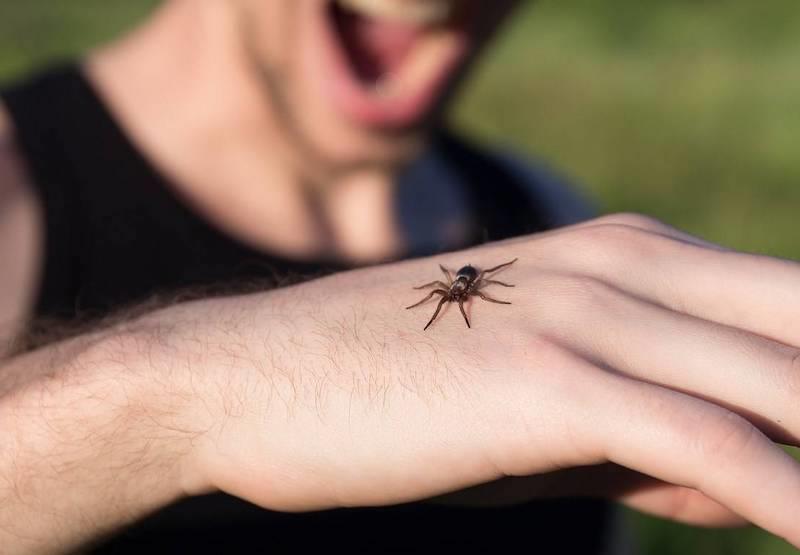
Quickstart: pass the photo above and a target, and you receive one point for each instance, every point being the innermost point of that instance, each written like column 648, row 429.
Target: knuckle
column 616, row 247
column 581, row 294
column 586, row 287
column 792, row 372
column 679, row 503
column 727, row 436
column 610, row 243
column 547, row 350
column 632, row 219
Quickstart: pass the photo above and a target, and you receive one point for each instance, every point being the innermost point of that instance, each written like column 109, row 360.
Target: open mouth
column 387, row 62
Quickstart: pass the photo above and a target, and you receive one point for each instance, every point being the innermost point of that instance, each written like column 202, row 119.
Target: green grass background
column 687, row 110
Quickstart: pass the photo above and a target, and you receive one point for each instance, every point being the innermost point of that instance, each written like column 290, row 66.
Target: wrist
column 157, row 396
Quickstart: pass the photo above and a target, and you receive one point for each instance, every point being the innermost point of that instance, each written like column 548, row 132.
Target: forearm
column 103, row 429
column 89, row 443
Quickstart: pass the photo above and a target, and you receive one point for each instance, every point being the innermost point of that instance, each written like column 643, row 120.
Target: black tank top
column 116, row 234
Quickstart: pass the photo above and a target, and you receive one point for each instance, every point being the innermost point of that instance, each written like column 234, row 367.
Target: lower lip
column 363, row 104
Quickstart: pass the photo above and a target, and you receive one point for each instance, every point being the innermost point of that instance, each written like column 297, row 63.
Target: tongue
column 375, row 47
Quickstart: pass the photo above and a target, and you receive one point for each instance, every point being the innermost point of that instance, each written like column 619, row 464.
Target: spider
column 469, row 281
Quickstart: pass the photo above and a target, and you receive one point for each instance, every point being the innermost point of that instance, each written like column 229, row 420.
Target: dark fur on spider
column 468, row 283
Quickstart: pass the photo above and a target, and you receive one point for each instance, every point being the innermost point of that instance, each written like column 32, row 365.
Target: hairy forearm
column 262, row 396
column 89, row 443
column 102, row 429
column 331, row 394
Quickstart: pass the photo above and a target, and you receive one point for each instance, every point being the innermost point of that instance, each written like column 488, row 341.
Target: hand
column 631, row 351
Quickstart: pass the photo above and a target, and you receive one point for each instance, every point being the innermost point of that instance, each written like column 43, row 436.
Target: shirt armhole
column 37, row 150
column 566, row 202
column 22, row 237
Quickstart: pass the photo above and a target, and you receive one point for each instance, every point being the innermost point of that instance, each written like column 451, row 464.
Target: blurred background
column 686, row 110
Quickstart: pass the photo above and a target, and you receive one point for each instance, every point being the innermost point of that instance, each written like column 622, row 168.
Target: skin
column 331, row 179
column 636, row 362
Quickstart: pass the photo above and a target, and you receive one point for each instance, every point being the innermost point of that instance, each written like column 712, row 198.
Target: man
column 243, row 143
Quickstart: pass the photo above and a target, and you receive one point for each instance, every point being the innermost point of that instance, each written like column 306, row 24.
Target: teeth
column 418, row 12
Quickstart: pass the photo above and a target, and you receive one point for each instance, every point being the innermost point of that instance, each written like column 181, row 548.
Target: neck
column 183, row 90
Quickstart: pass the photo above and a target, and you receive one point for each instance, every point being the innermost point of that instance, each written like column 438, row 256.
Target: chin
column 362, row 81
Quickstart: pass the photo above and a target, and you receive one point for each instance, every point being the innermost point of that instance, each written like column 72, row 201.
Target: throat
column 359, row 213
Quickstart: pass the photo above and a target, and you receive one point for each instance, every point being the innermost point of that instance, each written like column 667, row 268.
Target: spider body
column 469, row 281
column 465, row 278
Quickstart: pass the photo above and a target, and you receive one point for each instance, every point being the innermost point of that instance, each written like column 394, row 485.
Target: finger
column 749, row 291
column 643, row 493
column 682, row 504
column 686, row 441
column 756, row 377
column 633, row 489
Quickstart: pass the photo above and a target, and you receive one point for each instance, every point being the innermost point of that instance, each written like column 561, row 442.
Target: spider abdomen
column 469, row 273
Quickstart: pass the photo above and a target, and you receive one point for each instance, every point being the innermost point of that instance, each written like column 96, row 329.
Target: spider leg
column 488, row 298
column 437, row 283
column 438, row 308
column 447, row 273
column 431, row 294
column 464, row 314
column 490, row 270
column 494, row 281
